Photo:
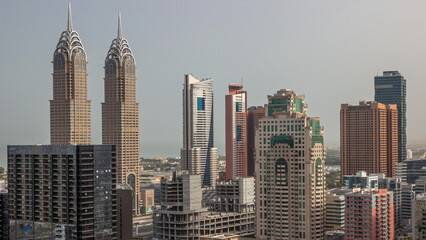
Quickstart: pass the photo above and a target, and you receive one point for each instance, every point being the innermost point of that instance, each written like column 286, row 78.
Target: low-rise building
column 369, row 214
column 182, row 215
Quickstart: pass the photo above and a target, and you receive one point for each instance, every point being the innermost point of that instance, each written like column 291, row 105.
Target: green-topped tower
column 290, row 183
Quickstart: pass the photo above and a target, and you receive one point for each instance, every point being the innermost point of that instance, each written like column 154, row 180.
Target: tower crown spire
column 119, row 33
column 69, row 24
column 120, row 48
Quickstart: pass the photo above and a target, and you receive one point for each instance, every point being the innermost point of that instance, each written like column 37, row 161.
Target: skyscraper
column 198, row 155
column 253, row 115
column 62, row 191
column 391, row 88
column 369, row 138
column 120, row 113
column 290, row 184
column 70, row 109
column 236, row 132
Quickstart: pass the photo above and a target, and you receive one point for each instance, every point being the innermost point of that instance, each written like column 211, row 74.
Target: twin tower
column 70, row 120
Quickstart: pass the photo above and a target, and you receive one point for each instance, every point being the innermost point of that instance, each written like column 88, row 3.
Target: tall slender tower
column 236, row 132
column 198, row 155
column 254, row 113
column 290, row 182
column 391, row 88
column 120, row 113
column 70, row 109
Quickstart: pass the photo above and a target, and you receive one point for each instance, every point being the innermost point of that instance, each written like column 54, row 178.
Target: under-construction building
column 183, row 216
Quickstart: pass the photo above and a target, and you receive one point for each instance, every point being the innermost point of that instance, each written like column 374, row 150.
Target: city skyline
column 352, row 61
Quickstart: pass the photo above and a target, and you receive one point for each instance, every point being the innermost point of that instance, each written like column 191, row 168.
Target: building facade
column 391, row 88
column 369, row 215
column 411, row 170
column 369, row 138
column 147, row 201
column 62, row 192
column 236, row 132
column 182, row 215
column 124, row 211
column 253, row 115
column 120, row 113
column 4, row 215
column 290, row 184
column 198, row 154
column 419, row 217
column 378, row 181
column 335, row 211
column 70, row 110
column 407, row 197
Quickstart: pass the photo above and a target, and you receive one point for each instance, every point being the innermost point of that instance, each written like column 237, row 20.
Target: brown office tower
column 120, row 114
column 369, row 138
column 70, row 109
column 124, row 212
column 253, row 115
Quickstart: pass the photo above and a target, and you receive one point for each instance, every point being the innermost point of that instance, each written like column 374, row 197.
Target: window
column 238, row 107
column 201, row 105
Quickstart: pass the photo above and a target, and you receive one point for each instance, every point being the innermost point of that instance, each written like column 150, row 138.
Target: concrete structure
column 70, row 110
column 236, row 132
column 394, row 185
column 369, row 138
column 290, row 184
column 147, row 201
column 419, row 217
column 407, row 196
column 391, row 88
column 182, row 215
column 120, row 113
column 335, row 211
column 360, row 180
column 198, row 154
column 335, row 235
column 335, row 208
column 420, row 185
column 409, row 154
column 4, row 215
column 124, row 211
column 378, row 181
column 411, row 170
column 253, row 116
column 63, row 190
column 220, row 236
column 235, row 195
column 369, row 214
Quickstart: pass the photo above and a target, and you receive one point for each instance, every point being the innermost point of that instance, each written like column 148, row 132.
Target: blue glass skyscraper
column 391, row 89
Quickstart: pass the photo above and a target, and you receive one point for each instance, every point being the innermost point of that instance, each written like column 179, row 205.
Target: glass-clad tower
column 391, row 88
column 198, row 154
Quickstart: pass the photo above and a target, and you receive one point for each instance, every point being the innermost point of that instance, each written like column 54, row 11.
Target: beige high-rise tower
column 70, row 109
column 120, row 113
column 290, row 182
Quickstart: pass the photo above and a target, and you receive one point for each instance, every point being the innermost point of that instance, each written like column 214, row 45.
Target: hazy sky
column 328, row 50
